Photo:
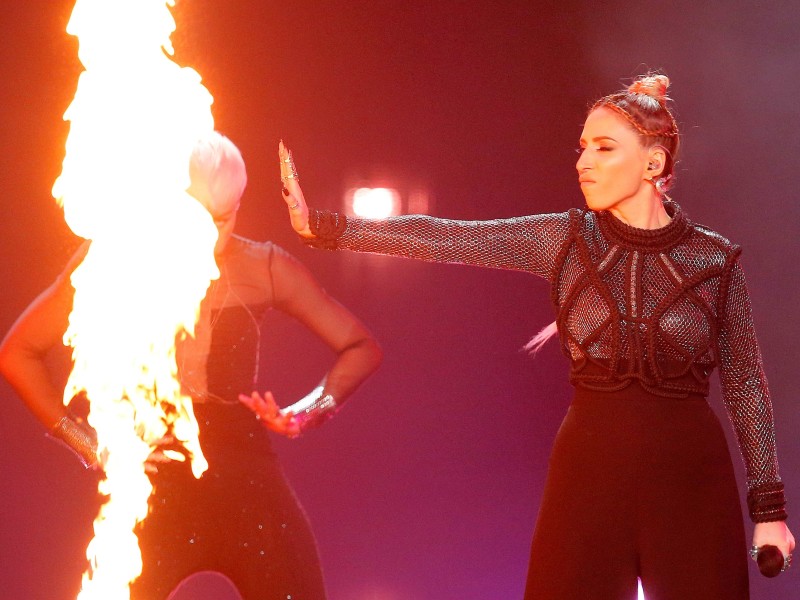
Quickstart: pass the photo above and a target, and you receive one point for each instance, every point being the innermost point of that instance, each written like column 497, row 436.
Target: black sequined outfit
column 644, row 317
column 241, row 517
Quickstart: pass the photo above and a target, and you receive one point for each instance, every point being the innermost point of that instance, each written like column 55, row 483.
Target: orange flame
column 133, row 122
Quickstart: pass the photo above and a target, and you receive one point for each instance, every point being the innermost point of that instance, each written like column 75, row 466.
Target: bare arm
column 24, row 348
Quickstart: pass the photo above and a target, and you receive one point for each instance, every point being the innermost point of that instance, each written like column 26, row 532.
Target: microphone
column 770, row 561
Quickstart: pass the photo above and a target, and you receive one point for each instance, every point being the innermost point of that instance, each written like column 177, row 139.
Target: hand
column 292, row 194
column 774, row 533
column 268, row 412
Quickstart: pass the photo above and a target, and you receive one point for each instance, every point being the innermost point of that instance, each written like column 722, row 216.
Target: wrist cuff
column 79, row 437
column 316, row 413
column 327, row 228
column 767, row 503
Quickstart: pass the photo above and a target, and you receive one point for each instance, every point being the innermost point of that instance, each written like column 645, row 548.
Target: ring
column 294, row 206
column 787, row 560
column 288, row 170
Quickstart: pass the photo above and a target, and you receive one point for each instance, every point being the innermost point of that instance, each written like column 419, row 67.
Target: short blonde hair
column 218, row 174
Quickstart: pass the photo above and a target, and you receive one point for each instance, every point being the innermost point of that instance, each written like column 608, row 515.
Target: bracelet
column 767, row 502
column 310, row 415
column 327, row 228
column 78, row 437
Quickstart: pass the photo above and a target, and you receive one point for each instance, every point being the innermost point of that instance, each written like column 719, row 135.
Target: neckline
column 646, row 239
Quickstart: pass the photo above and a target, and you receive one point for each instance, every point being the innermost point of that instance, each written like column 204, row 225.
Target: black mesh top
column 221, row 360
column 661, row 307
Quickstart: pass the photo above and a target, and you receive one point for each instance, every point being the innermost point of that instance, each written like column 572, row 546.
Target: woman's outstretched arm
column 528, row 243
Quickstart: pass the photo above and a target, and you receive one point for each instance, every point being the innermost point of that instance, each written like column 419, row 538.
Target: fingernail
column 285, row 191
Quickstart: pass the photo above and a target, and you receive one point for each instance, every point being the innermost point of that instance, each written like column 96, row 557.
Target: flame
column 134, row 119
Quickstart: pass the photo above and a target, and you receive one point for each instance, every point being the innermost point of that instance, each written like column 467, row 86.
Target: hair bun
column 654, row 86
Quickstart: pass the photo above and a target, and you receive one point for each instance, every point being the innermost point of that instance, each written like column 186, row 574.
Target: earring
column 662, row 184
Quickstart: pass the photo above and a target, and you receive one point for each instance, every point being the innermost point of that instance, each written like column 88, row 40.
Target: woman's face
column 612, row 168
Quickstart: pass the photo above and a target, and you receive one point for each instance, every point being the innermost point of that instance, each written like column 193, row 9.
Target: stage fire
column 134, row 119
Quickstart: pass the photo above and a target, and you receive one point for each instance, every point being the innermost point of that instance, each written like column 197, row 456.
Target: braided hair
column 643, row 104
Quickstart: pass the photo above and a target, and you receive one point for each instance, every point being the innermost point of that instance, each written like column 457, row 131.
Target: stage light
column 375, row 203
column 378, row 200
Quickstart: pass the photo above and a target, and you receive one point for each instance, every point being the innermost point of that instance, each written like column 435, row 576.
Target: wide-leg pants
column 241, row 518
column 639, row 486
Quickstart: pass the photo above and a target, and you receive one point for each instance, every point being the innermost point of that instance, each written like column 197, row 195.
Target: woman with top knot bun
column 648, row 303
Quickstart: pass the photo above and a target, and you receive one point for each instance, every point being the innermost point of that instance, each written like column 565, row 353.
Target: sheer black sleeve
column 530, row 243
column 299, row 295
column 747, row 400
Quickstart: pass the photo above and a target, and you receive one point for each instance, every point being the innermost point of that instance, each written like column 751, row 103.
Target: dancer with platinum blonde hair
column 241, row 517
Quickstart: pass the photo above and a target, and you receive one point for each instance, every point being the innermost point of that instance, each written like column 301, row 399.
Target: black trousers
column 639, row 486
column 241, row 518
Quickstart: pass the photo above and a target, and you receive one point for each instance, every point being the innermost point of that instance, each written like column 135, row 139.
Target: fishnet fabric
column 662, row 307
column 221, row 360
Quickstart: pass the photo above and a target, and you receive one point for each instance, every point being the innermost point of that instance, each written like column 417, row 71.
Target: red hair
column 644, row 105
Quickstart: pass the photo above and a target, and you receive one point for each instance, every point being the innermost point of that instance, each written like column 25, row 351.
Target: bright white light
column 375, row 203
column 641, row 591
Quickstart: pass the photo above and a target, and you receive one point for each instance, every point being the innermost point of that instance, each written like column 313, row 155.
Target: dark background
column 427, row 486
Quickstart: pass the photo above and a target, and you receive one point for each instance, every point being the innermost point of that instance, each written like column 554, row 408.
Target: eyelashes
column 598, row 149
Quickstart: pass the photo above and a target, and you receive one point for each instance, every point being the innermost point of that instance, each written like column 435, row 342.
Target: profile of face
column 615, row 168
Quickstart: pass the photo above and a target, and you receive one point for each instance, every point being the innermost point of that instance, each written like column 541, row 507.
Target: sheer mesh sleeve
column 747, row 400
column 299, row 295
column 529, row 243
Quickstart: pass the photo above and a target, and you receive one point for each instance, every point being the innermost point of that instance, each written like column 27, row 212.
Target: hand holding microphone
column 770, row 559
